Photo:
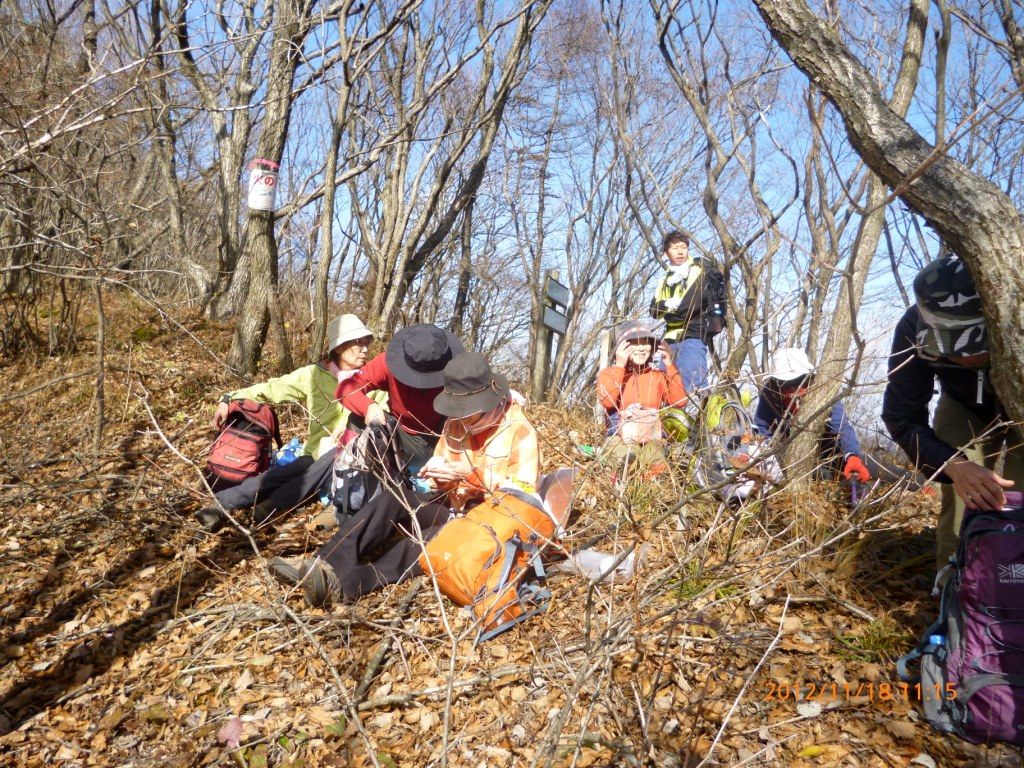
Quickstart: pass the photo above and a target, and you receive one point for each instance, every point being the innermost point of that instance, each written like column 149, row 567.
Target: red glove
column 855, row 467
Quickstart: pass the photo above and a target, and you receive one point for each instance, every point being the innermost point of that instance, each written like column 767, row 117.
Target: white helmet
column 789, row 364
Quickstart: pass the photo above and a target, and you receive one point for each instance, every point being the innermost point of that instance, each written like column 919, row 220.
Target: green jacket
column 311, row 387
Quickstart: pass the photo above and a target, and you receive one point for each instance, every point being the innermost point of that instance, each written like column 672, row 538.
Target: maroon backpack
column 972, row 658
column 243, row 448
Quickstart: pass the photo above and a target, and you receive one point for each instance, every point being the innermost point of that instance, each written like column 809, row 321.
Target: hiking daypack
column 374, row 456
column 714, row 296
column 243, row 448
column 972, row 658
column 485, row 559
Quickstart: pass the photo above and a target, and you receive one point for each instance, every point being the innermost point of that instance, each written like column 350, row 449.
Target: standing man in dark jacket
column 943, row 337
column 687, row 298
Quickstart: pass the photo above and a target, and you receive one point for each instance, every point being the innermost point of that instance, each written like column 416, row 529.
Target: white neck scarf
column 339, row 374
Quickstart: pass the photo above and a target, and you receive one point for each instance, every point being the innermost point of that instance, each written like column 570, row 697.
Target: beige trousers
column 616, row 453
column 962, row 429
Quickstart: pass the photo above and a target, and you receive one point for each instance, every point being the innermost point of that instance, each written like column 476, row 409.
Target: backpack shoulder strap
column 533, row 593
column 257, row 413
column 541, row 596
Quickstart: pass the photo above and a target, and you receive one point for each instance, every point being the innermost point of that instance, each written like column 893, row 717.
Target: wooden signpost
column 553, row 320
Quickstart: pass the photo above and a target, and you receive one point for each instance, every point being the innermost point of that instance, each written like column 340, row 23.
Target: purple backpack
column 972, row 657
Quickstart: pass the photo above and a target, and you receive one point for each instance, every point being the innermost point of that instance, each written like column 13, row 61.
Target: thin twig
column 746, row 684
column 385, row 644
column 398, row 699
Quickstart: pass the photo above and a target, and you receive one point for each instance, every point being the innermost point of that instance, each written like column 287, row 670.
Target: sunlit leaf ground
column 763, row 635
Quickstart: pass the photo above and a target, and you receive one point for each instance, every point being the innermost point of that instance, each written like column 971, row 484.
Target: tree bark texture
column 974, row 217
column 232, row 139
column 834, row 369
column 292, row 26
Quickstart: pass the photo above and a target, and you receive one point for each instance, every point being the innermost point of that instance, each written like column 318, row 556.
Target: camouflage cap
column 950, row 320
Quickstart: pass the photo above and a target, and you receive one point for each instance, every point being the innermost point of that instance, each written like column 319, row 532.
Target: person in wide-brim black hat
column 487, row 440
column 418, row 354
column 487, row 446
column 470, row 387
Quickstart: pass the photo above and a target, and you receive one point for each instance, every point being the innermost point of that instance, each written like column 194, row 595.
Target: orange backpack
column 484, row 559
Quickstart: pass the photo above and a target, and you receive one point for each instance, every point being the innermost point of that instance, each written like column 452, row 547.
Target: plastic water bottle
column 420, row 485
column 288, row 453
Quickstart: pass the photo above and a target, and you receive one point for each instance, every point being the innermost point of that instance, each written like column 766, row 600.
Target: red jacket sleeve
column 675, row 394
column 352, row 391
column 609, row 386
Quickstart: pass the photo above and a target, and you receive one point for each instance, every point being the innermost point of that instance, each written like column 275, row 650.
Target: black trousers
column 283, row 488
column 385, row 522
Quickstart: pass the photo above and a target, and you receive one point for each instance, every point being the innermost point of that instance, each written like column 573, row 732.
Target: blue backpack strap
column 525, row 593
column 532, row 593
column 511, row 547
column 925, row 644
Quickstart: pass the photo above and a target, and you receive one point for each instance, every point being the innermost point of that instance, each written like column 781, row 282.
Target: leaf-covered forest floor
column 129, row 638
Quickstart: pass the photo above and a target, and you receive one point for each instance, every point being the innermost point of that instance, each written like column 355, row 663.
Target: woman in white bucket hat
column 789, row 374
column 286, row 487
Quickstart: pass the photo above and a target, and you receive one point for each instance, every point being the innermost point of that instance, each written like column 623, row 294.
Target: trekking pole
column 857, row 492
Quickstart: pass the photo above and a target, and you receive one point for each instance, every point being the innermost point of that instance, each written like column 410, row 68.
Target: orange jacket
column 620, row 388
column 507, row 454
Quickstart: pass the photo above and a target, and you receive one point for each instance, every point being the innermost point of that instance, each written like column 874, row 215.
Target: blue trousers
column 691, row 358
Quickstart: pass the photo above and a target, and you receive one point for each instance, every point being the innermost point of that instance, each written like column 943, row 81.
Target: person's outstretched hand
column 978, row 486
column 220, row 416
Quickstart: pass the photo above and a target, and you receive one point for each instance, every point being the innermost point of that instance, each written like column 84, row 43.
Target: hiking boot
column 320, row 584
column 285, row 571
column 211, row 518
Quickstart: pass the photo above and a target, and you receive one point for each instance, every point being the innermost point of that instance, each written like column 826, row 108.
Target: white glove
column 677, row 274
column 672, row 304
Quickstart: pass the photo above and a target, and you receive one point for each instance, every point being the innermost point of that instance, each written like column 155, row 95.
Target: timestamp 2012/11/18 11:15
column 849, row 691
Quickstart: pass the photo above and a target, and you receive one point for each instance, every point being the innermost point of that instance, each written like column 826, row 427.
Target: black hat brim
column 394, row 355
column 461, row 406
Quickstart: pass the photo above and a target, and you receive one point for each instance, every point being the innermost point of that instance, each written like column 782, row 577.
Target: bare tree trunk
column 292, row 26
column 101, row 370
column 443, row 206
column 801, row 455
column 232, row 141
column 465, row 272
column 284, row 352
column 974, row 217
column 323, row 265
column 166, row 140
column 254, row 319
